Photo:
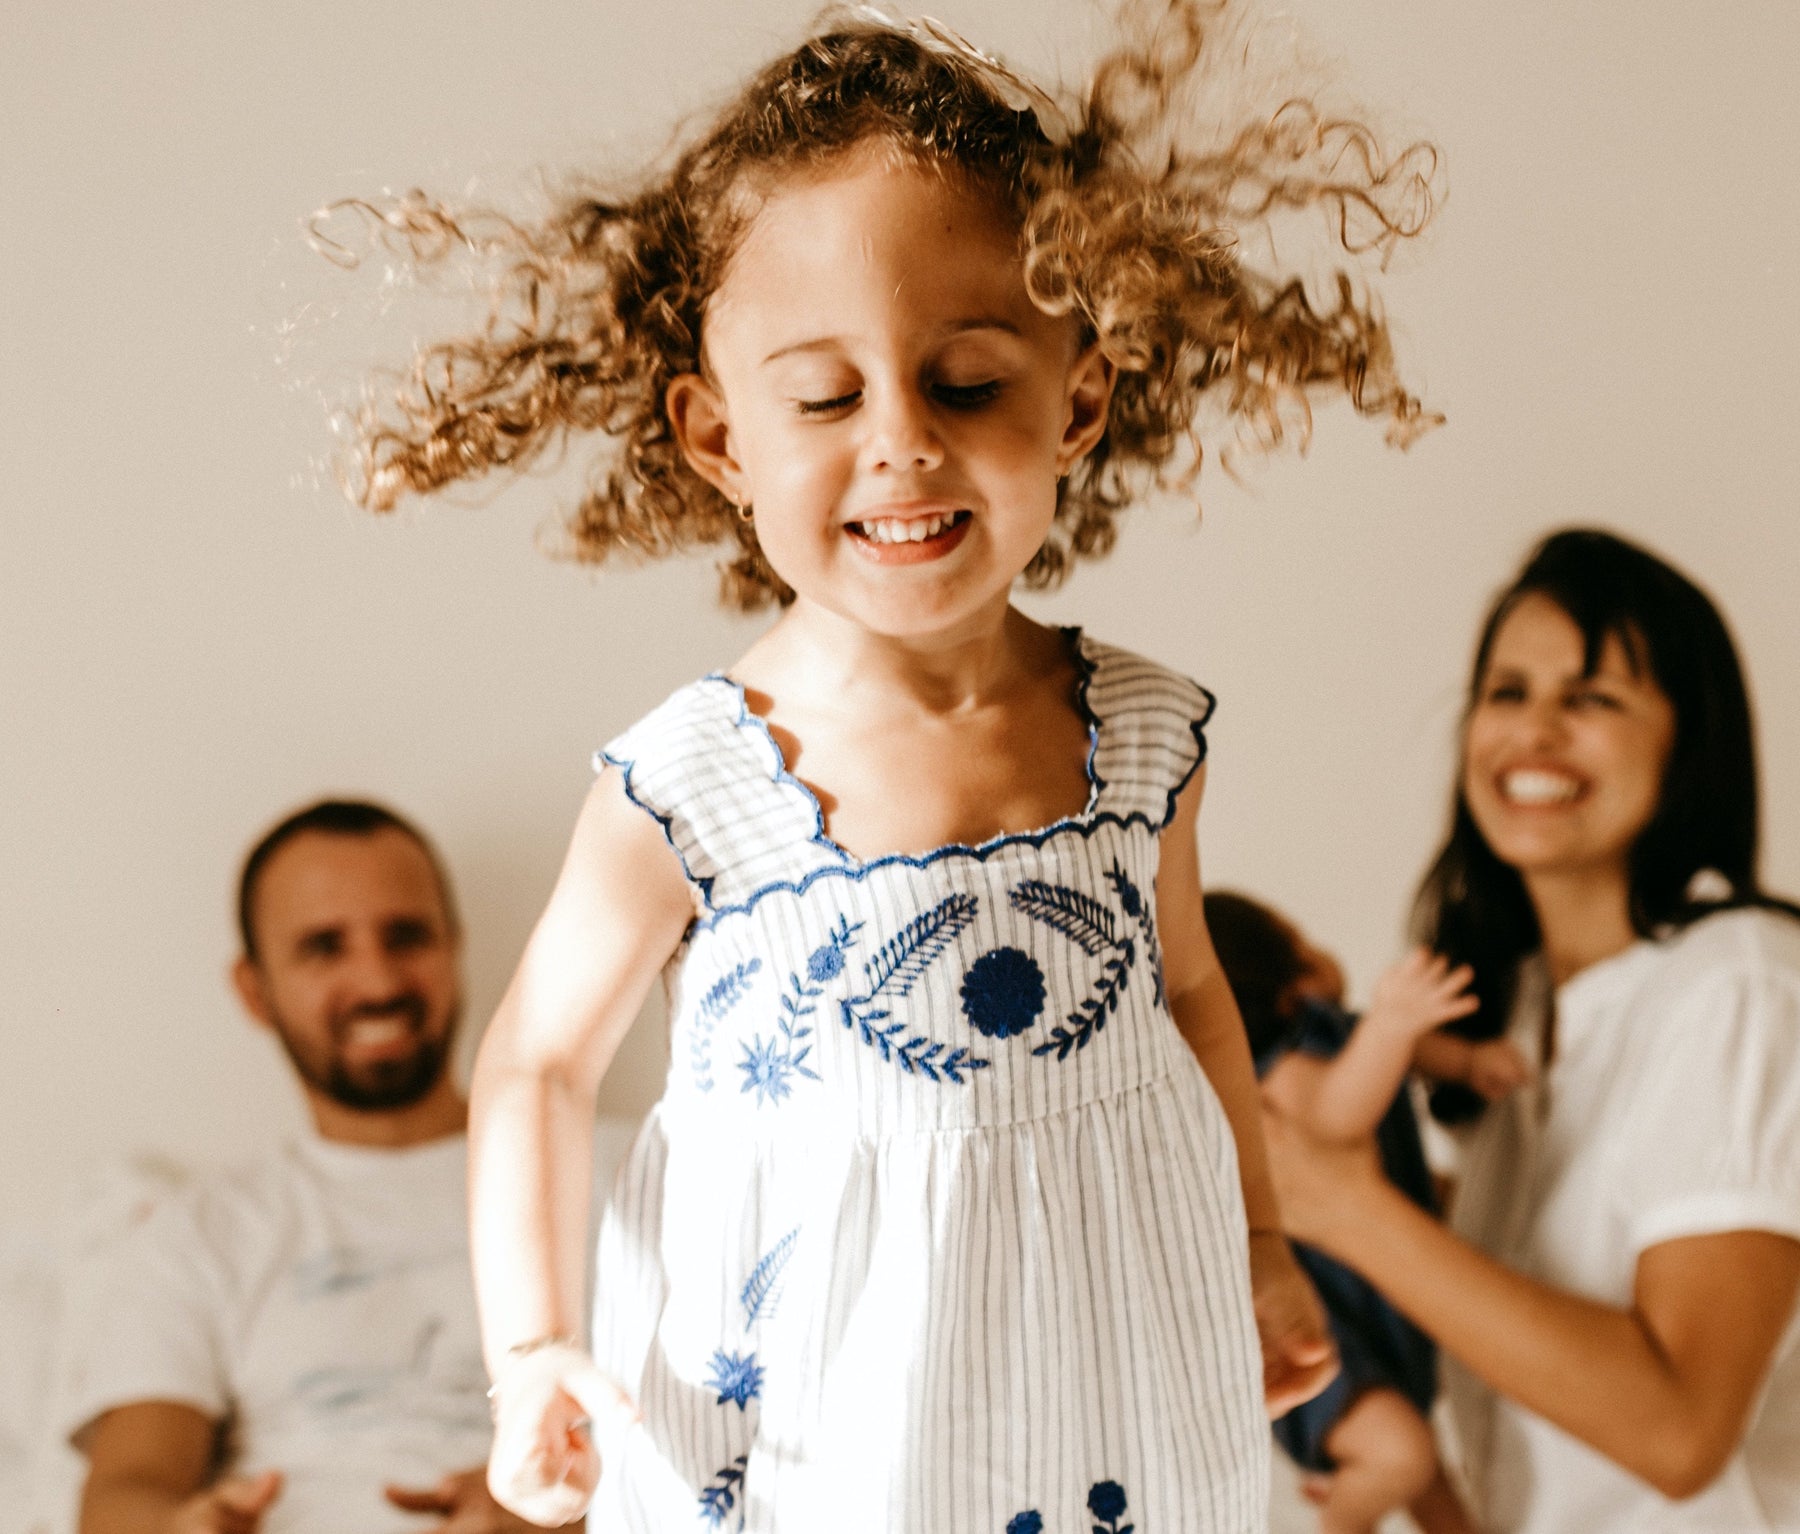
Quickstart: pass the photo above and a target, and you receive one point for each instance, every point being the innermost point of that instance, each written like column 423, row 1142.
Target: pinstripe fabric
column 937, row 1225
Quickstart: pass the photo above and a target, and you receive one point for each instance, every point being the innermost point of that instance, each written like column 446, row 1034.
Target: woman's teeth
column 894, row 530
column 1528, row 787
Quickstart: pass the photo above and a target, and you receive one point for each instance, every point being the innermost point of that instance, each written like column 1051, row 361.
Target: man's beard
column 381, row 1085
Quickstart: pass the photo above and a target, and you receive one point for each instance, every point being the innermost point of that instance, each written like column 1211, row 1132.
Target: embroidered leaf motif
column 891, row 973
column 905, row 957
column 760, row 1294
column 721, row 996
column 717, row 1499
column 1093, row 928
column 1074, row 913
column 725, row 992
column 1031, row 1521
column 1139, row 910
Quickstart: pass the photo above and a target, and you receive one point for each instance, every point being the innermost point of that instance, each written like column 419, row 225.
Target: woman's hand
column 1319, row 1183
column 1299, row 1358
column 1497, row 1067
column 554, row 1414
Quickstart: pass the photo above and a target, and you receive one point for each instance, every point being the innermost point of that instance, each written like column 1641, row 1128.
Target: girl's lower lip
column 935, row 547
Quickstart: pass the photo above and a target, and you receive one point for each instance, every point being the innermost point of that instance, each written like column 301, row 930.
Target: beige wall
column 196, row 633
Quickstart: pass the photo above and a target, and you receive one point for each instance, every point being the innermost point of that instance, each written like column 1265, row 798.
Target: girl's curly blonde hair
column 601, row 304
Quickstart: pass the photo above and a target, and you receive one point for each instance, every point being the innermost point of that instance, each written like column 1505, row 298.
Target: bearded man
column 291, row 1348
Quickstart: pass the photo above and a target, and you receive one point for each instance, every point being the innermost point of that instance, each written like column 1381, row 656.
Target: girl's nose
column 903, row 435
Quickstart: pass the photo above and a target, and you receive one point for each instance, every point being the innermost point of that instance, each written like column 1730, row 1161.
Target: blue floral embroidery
column 1027, row 1522
column 1093, row 929
column 721, row 996
column 761, row 1292
column 718, row 1498
column 769, row 1063
column 737, row 1377
column 1106, row 1501
column 1003, row 992
column 1139, row 910
column 891, row 975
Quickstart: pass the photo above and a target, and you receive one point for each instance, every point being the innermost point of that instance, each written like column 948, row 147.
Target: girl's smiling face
column 1563, row 770
column 886, row 397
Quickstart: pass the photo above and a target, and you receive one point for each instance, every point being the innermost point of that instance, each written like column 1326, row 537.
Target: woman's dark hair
column 1256, row 950
column 1473, row 908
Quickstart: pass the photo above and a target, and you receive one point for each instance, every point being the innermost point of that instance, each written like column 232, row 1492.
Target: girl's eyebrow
column 954, row 328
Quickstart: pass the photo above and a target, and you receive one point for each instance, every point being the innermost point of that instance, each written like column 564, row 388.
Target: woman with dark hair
column 1615, row 1293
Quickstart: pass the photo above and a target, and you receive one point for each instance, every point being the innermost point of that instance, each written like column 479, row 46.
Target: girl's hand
column 1420, row 993
column 1299, row 1358
column 1497, row 1067
column 554, row 1411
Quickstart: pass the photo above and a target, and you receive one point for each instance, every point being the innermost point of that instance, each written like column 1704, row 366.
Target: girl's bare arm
column 618, row 911
column 1298, row 1358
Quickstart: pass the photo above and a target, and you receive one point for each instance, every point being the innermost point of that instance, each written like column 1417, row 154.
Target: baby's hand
column 1299, row 1358
column 1420, row 993
column 1497, row 1067
column 552, row 1408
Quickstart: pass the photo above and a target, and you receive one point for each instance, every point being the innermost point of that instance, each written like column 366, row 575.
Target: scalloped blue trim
column 1090, row 820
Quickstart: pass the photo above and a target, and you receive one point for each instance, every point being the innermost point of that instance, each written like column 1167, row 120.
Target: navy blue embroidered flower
column 737, row 1377
column 1028, row 1522
column 1003, row 992
column 826, row 962
column 1106, row 1501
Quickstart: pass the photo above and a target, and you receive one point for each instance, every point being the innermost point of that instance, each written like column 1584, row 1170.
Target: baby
column 1365, row 1439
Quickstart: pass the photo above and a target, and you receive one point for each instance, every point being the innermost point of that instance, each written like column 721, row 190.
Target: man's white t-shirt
column 321, row 1305
column 1671, row 1109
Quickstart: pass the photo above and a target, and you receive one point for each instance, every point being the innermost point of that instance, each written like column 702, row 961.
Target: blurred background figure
column 292, row 1345
column 1365, row 1442
column 1615, row 1297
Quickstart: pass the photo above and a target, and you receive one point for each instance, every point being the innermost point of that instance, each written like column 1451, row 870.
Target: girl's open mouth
column 909, row 540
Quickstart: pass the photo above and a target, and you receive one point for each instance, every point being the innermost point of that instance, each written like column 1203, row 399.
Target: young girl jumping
column 953, row 1215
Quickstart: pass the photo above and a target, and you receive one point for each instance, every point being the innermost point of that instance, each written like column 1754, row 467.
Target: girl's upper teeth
column 895, row 530
column 1528, row 787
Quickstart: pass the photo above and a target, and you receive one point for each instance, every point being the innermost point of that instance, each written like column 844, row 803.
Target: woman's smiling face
column 1563, row 768
column 886, row 397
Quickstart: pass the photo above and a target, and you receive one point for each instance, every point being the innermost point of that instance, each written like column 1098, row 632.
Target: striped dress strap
column 711, row 774
column 1150, row 734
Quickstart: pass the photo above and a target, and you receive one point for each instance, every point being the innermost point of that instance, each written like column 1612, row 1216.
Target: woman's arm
column 1663, row 1387
column 1298, row 1359
column 618, row 911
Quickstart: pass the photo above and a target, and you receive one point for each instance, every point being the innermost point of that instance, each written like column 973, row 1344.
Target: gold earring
column 744, row 510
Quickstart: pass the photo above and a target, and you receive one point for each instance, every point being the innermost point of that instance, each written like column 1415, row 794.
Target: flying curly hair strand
column 598, row 306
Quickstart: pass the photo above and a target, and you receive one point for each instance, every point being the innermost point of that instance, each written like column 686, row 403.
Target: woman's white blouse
column 1671, row 1109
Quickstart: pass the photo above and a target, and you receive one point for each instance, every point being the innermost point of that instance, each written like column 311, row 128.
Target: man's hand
column 234, row 1505
column 1299, row 1358
column 465, row 1502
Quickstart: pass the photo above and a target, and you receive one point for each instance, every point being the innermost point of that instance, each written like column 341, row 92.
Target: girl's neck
column 1583, row 917
column 821, row 658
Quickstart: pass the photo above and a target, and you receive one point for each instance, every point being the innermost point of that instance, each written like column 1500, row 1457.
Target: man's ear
column 702, row 430
column 1091, row 380
column 247, row 981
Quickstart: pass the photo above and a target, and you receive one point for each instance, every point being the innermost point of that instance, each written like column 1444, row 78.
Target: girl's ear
column 703, row 432
column 1091, row 380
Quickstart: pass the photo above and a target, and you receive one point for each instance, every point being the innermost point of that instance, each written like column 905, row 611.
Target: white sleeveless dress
column 937, row 1226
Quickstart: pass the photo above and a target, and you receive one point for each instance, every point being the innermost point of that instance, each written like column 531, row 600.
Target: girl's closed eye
column 827, row 404
column 967, row 396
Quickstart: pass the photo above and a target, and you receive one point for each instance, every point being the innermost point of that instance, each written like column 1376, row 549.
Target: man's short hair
column 332, row 817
